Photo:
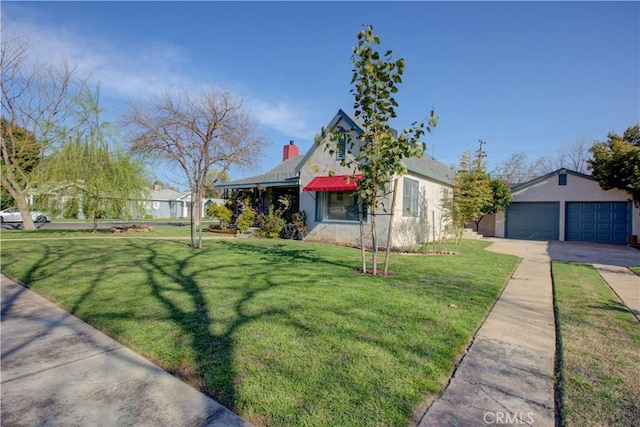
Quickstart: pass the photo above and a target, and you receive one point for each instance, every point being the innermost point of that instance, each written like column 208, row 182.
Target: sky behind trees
column 522, row 76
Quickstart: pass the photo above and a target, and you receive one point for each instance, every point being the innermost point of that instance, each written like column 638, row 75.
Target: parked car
column 13, row 215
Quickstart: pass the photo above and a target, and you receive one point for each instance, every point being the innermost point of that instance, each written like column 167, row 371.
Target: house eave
column 286, row 183
column 549, row 175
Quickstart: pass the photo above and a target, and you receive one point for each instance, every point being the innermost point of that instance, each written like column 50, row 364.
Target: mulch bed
column 131, row 229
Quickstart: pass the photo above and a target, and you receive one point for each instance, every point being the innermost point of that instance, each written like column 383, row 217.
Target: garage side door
column 533, row 221
column 603, row 222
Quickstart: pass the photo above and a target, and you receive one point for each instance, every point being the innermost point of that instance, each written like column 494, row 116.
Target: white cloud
column 137, row 71
column 283, row 117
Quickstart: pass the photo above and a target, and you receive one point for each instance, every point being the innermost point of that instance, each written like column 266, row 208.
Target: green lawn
column 281, row 332
column 600, row 369
column 635, row 270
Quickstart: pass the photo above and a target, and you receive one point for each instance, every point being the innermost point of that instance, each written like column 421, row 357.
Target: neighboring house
column 325, row 191
column 169, row 203
column 566, row 205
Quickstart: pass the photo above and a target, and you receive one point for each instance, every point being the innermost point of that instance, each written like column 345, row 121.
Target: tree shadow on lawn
column 214, row 371
column 183, row 284
column 279, row 252
column 48, row 265
column 611, row 305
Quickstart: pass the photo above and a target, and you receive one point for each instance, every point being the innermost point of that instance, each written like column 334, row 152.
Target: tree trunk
column 374, row 239
column 363, row 252
column 196, row 219
column 199, row 219
column 390, row 231
column 478, row 223
column 192, row 221
column 23, row 207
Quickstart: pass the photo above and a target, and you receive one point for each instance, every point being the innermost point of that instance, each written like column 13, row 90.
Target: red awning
column 333, row 183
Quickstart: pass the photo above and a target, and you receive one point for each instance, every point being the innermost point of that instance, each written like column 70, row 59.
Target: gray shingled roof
column 430, row 167
column 282, row 175
column 285, row 174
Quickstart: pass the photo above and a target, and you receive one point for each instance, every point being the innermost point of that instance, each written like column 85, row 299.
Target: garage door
column 604, row 222
column 533, row 221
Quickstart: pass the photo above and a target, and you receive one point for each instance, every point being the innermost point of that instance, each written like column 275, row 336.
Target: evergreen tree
column 616, row 162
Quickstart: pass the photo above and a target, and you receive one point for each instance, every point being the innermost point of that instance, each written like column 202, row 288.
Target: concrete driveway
column 506, row 376
column 611, row 261
column 594, row 253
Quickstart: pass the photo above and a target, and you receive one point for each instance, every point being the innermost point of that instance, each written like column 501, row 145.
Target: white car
column 13, row 215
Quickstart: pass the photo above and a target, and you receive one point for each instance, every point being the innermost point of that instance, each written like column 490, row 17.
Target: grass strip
column 283, row 333
column 599, row 381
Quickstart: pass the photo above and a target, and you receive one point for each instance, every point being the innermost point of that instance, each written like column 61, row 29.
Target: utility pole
column 480, row 154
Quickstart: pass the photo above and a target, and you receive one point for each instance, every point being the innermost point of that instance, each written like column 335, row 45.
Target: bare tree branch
column 203, row 134
column 37, row 114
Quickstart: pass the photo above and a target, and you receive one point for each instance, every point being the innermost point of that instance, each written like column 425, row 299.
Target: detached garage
column 603, row 222
column 568, row 205
column 533, row 220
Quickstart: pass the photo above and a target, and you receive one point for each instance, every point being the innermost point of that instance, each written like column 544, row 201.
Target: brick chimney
column 290, row 150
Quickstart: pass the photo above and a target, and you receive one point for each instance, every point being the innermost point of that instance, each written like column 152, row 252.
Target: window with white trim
column 410, row 197
column 336, row 206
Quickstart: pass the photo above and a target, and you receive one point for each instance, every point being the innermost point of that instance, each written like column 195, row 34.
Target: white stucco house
column 325, row 191
column 566, row 205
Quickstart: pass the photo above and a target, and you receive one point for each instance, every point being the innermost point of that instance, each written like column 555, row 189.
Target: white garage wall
column 579, row 188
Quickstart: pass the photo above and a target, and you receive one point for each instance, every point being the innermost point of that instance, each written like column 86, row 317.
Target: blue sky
column 526, row 77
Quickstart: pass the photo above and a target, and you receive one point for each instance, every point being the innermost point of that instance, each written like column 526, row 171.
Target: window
column 410, row 193
column 336, row 206
column 341, row 146
column 156, row 205
column 562, row 179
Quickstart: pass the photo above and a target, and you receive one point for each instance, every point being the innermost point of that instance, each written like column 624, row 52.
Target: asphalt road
column 82, row 225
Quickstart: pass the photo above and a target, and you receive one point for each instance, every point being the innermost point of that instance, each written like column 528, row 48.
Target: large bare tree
column 573, row 156
column 202, row 134
column 37, row 113
column 517, row 168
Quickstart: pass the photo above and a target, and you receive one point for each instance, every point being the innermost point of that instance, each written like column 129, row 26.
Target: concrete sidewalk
column 624, row 283
column 56, row 370
column 506, row 377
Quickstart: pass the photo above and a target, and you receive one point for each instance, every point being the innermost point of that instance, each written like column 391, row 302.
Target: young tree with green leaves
column 616, row 162
column 498, row 202
column 471, row 192
column 95, row 171
column 377, row 153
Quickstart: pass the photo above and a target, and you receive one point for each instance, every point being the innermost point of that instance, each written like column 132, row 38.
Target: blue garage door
column 533, row 221
column 603, row 222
